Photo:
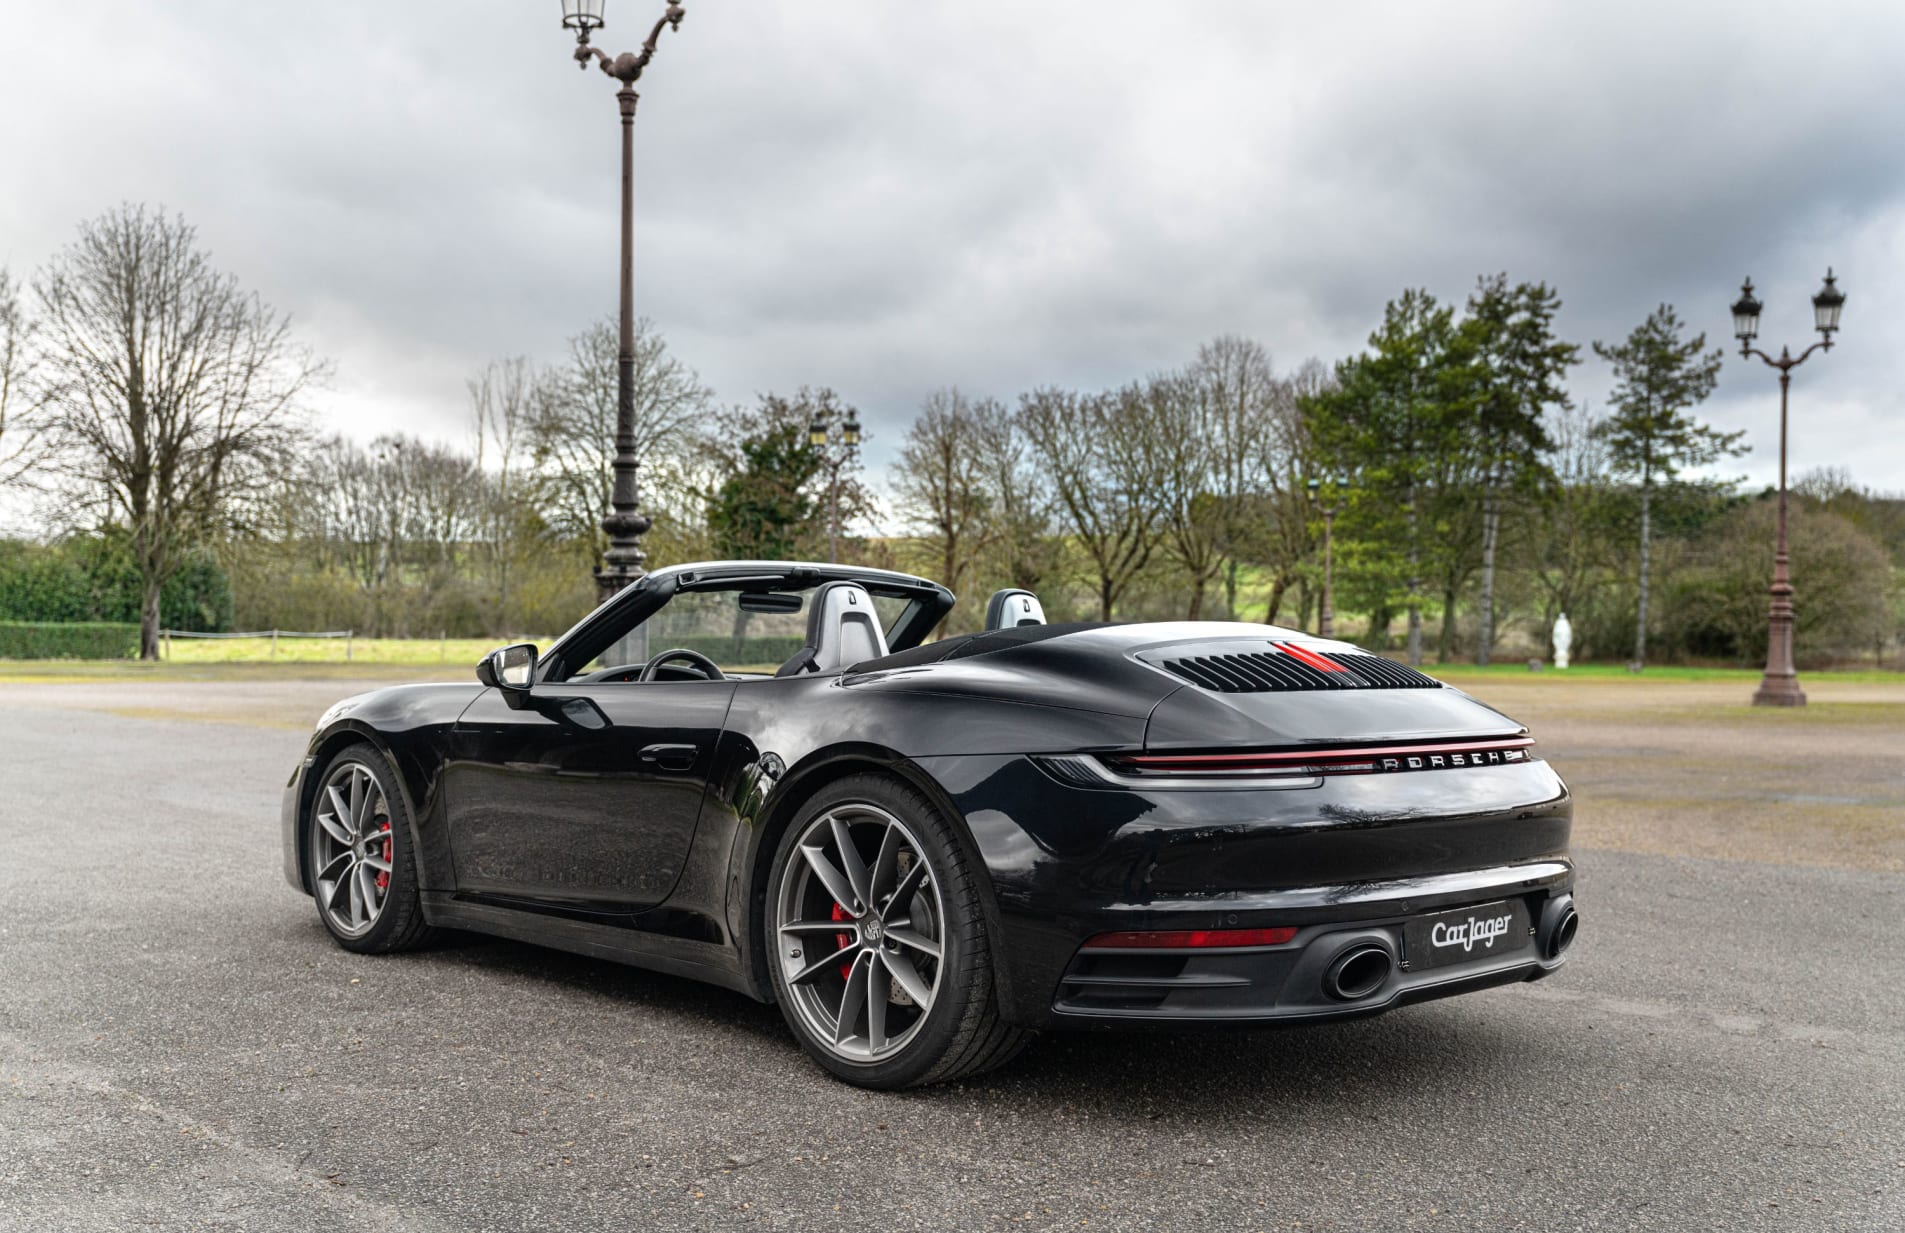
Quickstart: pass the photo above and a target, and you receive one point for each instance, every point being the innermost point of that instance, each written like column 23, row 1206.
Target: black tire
column 960, row 1034
column 398, row 923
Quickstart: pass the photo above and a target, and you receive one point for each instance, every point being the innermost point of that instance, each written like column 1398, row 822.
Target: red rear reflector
column 1185, row 939
column 1309, row 657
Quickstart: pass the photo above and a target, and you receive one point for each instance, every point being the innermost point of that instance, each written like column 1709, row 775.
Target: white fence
column 348, row 635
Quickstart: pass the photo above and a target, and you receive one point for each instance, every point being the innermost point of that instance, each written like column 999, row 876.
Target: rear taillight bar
column 1307, row 763
column 1191, row 939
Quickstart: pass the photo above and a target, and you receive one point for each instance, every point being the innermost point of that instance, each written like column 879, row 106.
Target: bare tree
column 1192, row 510
column 1570, row 549
column 576, row 426
column 1239, row 398
column 19, row 431
column 941, row 480
column 1105, row 461
column 1274, row 523
column 397, row 517
column 171, row 391
column 1020, row 518
column 508, row 401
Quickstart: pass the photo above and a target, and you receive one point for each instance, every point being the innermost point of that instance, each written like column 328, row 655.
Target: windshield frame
column 927, row 603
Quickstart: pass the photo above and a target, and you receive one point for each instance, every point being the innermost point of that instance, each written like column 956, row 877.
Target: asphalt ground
column 182, row 1047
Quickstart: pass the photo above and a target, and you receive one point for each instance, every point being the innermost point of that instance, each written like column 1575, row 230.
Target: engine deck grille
column 1287, row 667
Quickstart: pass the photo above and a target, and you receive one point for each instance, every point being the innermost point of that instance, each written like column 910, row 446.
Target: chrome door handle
column 670, row 757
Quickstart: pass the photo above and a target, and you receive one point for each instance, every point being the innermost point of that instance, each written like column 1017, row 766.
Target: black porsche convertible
column 761, row 774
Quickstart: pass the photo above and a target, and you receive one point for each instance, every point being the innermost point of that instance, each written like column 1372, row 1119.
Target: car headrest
column 843, row 629
column 1011, row 608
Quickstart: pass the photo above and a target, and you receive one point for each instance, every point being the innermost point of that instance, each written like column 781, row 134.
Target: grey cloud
column 887, row 196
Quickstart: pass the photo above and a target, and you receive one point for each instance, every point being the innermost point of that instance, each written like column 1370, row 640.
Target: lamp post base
column 1779, row 691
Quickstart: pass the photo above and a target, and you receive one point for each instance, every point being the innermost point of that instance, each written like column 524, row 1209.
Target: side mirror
column 511, row 669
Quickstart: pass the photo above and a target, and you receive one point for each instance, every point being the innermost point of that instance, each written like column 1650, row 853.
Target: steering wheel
column 708, row 667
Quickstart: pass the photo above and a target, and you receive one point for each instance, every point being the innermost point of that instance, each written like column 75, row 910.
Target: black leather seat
column 1013, row 607
column 843, row 629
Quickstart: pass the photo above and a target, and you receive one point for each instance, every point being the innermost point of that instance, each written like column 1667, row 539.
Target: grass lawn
column 239, row 659
column 1456, row 674
column 1673, row 761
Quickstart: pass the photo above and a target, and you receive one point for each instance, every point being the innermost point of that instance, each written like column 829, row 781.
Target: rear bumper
column 1293, row 981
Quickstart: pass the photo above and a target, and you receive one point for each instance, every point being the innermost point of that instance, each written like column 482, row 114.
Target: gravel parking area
column 182, row 1047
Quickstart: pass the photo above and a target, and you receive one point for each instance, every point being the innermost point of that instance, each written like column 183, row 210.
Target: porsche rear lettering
column 1438, row 762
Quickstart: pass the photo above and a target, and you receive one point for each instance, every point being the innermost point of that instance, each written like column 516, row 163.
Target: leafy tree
column 1651, row 437
column 768, row 496
column 1398, row 412
column 1521, row 367
column 172, row 392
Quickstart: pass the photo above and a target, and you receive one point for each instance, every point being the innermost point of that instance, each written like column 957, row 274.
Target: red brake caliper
column 383, row 878
column 842, row 940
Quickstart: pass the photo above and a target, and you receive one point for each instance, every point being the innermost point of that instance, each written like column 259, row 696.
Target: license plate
column 1465, row 934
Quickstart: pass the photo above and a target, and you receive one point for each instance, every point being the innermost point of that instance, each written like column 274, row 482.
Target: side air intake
column 1285, row 666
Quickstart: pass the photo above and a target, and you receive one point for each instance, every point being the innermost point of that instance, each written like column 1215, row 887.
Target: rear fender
column 771, row 796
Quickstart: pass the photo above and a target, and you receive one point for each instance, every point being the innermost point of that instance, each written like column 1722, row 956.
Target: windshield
column 715, row 624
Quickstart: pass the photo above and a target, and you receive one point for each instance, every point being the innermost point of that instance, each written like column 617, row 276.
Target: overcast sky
column 885, row 196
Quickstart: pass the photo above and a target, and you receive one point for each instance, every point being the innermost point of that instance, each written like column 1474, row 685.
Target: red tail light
column 1191, row 939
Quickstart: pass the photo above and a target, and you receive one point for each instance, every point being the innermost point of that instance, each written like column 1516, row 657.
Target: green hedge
column 92, row 578
column 68, row 640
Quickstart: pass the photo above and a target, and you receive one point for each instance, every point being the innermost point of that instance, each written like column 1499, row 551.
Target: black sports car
column 925, row 851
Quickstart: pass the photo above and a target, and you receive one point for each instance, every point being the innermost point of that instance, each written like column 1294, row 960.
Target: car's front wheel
column 362, row 872
column 877, row 940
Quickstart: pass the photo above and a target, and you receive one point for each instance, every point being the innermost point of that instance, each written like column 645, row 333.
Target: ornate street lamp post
column 1780, row 685
column 622, row 563
column 1339, row 484
column 835, row 459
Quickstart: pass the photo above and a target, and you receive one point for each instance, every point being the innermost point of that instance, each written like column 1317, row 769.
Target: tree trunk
column 1277, row 588
column 1415, row 587
column 1376, row 637
column 149, row 621
column 1195, row 611
column 1104, row 597
column 1646, row 531
column 1491, row 528
column 1445, row 644
column 1230, row 590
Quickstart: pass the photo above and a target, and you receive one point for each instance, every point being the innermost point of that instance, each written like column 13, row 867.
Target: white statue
column 1563, row 640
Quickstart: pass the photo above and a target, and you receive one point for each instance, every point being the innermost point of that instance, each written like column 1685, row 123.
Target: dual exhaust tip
column 1559, row 923
column 1364, row 968
column 1358, row 972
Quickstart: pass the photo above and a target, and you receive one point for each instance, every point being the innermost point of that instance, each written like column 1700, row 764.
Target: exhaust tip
column 1560, row 922
column 1358, row 972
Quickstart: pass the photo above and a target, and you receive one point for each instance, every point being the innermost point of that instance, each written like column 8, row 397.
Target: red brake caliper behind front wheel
column 842, row 940
column 383, row 877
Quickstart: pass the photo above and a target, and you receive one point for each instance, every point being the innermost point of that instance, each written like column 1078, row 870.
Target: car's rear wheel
column 362, row 873
column 877, row 941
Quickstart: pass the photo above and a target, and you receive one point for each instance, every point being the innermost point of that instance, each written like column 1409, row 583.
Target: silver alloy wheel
column 858, row 927
column 351, row 849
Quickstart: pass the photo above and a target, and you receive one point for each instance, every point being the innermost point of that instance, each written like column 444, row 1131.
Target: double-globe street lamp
column 625, row 523
column 1329, row 508
column 818, row 436
column 1780, row 685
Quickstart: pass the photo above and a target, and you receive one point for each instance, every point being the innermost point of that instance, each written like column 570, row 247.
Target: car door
column 584, row 802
